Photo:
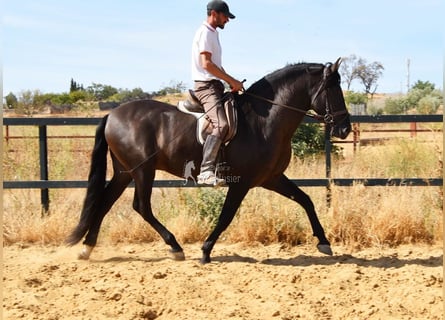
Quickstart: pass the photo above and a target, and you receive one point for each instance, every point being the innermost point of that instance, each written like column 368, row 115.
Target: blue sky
column 146, row 44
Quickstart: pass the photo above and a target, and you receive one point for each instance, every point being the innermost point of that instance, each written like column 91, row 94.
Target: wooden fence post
column 7, row 134
column 328, row 149
column 43, row 155
column 356, row 135
column 413, row 128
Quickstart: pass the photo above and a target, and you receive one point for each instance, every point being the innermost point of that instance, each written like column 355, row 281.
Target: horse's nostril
column 342, row 131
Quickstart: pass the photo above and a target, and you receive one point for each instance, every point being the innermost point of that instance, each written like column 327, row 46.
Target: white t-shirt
column 206, row 40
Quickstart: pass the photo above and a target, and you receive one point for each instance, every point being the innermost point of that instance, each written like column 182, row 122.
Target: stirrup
column 209, row 178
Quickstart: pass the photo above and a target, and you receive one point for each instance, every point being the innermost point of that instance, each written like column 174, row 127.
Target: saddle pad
column 204, row 127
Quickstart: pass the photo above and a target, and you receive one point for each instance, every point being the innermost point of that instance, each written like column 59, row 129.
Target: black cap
column 220, row 6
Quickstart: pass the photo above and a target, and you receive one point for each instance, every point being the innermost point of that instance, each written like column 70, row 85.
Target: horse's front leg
column 235, row 196
column 287, row 188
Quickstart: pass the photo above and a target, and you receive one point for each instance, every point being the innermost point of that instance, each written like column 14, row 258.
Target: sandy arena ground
column 242, row 282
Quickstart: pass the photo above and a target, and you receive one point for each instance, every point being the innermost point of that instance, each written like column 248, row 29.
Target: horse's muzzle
column 342, row 130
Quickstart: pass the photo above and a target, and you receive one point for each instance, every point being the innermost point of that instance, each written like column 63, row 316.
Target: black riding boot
column 208, row 165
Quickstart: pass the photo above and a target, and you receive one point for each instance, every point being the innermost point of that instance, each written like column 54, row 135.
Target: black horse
column 145, row 136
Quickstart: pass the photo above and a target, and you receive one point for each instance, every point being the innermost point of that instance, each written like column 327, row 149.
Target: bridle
column 329, row 116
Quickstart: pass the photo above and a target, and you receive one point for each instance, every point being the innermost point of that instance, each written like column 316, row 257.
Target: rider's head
column 218, row 13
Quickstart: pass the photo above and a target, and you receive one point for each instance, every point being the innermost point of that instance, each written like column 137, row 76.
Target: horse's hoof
column 205, row 260
column 85, row 253
column 178, row 255
column 325, row 248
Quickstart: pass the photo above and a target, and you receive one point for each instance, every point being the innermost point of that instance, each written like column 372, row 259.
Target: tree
column 127, row 95
column 44, row 99
column 369, row 74
column 352, row 97
column 347, row 67
column 428, row 104
column 101, row 91
column 74, row 86
column 354, row 67
column 80, row 95
column 396, row 105
column 422, row 96
column 174, row 87
column 29, row 102
column 11, row 101
column 424, row 86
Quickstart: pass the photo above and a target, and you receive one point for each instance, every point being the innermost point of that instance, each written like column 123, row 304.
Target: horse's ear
column 336, row 65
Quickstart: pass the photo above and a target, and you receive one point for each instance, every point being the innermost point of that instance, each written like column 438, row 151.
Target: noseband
column 330, row 115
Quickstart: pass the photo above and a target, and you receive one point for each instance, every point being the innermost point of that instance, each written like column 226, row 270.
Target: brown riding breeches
column 209, row 94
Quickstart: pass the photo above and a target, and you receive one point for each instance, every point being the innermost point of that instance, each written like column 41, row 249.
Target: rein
column 306, row 113
column 329, row 116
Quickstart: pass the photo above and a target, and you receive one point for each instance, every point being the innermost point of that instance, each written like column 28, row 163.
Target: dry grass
column 359, row 216
column 385, row 216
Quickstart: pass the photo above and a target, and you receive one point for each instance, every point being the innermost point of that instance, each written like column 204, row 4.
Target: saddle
column 204, row 127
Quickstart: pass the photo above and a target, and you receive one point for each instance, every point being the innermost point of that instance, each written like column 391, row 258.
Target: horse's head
column 327, row 100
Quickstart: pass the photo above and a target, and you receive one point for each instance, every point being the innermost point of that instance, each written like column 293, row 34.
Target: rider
column 208, row 74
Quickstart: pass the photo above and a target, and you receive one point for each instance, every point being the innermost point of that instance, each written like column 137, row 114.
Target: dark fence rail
column 320, row 182
column 73, row 121
column 44, row 184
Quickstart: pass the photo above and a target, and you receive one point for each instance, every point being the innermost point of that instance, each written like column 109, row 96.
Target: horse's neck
column 275, row 120
column 291, row 105
column 288, row 89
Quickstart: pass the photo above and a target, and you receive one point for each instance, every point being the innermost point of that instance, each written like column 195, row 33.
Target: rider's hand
column 236, row 86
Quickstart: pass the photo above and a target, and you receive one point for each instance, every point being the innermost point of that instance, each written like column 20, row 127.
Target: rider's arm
column 207, row 64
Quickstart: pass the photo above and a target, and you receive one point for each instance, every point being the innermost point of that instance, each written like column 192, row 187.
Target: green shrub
column 352, row 97
column 206, row 202
column 428, row 105
column 308, row 140
column 374, row 110
column 396, row 105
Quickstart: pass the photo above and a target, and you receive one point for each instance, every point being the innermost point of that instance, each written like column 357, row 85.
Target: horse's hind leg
column 111, row 193
column 142, row 204
column 287, row 188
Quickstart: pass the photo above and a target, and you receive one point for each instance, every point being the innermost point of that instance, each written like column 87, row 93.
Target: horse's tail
column 96, row 185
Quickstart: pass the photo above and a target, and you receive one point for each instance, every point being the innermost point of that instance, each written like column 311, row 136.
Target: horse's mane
column 282, row 74
column 295, row 68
